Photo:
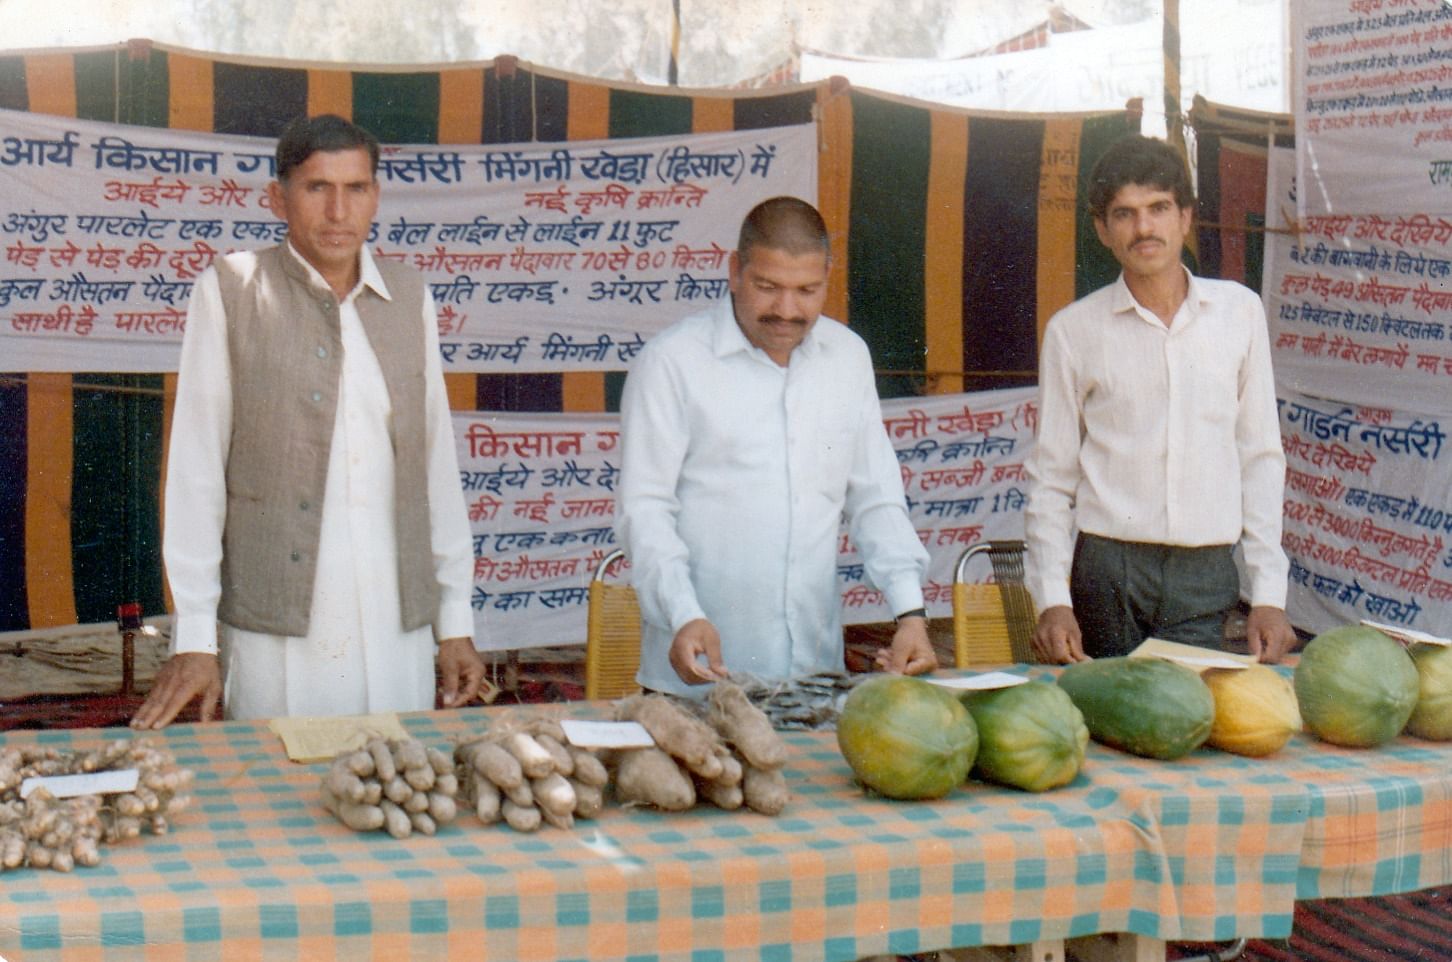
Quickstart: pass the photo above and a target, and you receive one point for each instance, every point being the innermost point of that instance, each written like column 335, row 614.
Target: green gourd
column 1432, row 718
column 906, row 738
column 1030, row 736
column 1356, row 686
column 1144, row 706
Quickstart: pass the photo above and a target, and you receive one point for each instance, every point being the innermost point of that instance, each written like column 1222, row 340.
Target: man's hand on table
column 1057, row 640
column 180, row 681
column 911, row 652
column 461, row 671
column 697, row 638
column 1269, row 633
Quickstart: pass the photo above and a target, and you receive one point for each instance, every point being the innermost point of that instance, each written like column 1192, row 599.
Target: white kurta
column 355, row 658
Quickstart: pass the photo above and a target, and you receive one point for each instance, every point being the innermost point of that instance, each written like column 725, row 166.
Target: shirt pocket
column 831, row 443
column 1213, row 375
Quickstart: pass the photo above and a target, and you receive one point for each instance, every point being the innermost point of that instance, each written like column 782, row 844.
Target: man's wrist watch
column 915, row 613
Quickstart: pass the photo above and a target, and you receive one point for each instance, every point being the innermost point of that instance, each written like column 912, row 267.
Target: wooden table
column 1209, row 847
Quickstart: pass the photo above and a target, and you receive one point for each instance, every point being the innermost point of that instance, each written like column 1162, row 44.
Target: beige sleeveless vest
column 286, row 359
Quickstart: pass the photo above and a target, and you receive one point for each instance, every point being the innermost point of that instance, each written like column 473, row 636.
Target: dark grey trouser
column 1127, row 591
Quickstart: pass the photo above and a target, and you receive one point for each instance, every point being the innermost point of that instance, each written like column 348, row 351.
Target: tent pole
column 674, row 74
column 1174, row 126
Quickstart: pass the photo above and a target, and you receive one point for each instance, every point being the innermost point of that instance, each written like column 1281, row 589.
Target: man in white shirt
column 314, row 519
column 1159, row 440
column 749, row 431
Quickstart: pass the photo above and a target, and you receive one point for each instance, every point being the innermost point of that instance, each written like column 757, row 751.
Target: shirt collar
column 1122, row 300
column 727, row 337
column 368, row 274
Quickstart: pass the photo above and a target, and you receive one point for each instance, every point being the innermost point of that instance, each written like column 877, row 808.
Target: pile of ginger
column 42, row 831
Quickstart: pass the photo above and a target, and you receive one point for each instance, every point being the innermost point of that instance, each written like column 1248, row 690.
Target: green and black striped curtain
column 955, row 236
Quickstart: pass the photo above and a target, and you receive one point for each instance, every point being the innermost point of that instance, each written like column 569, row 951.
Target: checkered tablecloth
column 1207, row 847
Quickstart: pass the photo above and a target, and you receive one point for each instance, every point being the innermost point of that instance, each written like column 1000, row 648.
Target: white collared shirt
column 1149, row 433
column 355, row 658
column 736, row 474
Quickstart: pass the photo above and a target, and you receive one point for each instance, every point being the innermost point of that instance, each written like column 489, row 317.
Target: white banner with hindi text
column 1368, row 516
column 1373, row 106
column 540, row 491
column 1358, row 306
column 541, row 257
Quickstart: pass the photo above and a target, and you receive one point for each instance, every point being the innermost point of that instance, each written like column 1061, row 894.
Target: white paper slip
column 1191, row 656
column 601, row 734
column 91, row 783
column 1407, row 635
column 984, row 682
column 1205, row 661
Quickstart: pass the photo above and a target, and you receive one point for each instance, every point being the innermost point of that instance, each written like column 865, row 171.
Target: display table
column 1205, row 848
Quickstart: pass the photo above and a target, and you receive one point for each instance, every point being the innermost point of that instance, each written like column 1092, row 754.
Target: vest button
column 317, row 396
column 322, row 352
column 304, row 506
column 296, row 556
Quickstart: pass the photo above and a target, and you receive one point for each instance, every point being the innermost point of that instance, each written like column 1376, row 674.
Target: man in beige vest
column 316, row 541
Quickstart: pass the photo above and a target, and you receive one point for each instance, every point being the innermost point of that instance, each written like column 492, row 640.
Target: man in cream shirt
column 314, row 520
column 1158, row 440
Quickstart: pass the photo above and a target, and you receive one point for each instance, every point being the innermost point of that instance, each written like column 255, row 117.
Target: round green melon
column 1030, row 736
column 1144, row 706
column 1356, row 686
column 1432, row 718
column 906, row 738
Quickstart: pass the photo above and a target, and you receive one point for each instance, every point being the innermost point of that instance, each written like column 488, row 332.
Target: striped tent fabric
column 1231, row 154
column 955, row 236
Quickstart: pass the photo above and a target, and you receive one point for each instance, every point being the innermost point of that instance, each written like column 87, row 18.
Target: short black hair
column 783, row 223
column 305, row 136
column 1135, row 159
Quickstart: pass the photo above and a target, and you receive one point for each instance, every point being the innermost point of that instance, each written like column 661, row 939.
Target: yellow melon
column 1255, row 710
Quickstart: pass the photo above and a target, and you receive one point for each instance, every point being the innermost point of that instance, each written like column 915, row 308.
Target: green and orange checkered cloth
column 1211, row 846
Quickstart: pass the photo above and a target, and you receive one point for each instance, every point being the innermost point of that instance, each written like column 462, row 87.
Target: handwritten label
column 91, row 783
column 599, row 734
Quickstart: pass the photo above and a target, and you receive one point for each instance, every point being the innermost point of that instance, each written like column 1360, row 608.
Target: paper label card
column 984, row 682
column 1407, row 636
column 91, row 783
column 602, row 734
column 320, row 739
column 1191, row 656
